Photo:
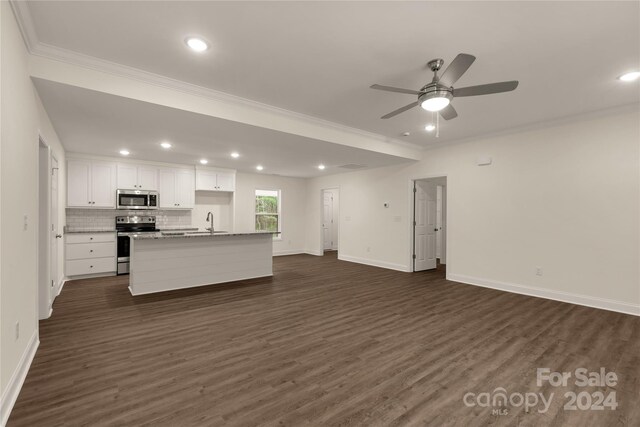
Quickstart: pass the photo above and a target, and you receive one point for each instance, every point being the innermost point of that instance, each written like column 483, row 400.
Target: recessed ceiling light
column 259, row 167
column 204, row 161
column 321, row 167
column 165, row 145
column 629, row 77
column 124, row 152
column 235, row 155
column 429, row 127
column 196, row 44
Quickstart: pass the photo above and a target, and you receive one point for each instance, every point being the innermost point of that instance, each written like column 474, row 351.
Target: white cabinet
column 90, row 253
column 212, row 180
column 140, row 177
column 91, row 183
column 148, row 178
column 79, row 183
column 177, row 189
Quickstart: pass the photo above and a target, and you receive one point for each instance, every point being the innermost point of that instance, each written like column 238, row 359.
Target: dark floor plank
column 323, row 342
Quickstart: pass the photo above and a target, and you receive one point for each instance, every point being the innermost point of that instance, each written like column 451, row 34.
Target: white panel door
column 147, row 178
column 167, row 188
column 185, row 189
column 78, row 183
column 425, row 223
column 327, row 220
column 127, row 177
column 226, row 181
column 103, row 184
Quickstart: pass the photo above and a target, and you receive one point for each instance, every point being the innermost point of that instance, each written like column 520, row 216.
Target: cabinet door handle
column 91, row 266
column 90, row 250
column 90, row 238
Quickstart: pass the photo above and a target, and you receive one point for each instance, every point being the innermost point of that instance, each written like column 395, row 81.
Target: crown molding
column 38, row 48
column 573, row 118
column 25, row 23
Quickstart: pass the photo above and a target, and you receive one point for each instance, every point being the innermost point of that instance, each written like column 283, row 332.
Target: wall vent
column 352, row 166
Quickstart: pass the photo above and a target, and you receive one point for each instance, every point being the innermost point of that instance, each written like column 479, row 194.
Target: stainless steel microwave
column 137, row 199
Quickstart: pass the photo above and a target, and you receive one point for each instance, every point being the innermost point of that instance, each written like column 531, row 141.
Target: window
column 268, row 210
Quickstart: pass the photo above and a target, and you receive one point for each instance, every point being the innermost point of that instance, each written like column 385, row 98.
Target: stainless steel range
column 127, row 226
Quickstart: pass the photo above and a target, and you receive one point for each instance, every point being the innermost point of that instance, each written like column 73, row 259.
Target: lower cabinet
column 90, row 253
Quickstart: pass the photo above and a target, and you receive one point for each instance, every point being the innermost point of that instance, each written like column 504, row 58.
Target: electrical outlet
column 17, row 331
column 368, row 248
column 26, row 222
column 538, row 271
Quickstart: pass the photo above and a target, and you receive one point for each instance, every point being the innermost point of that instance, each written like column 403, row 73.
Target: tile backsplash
column 79, row 219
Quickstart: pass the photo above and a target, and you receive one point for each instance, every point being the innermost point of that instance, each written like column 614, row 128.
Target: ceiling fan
column 437, row 95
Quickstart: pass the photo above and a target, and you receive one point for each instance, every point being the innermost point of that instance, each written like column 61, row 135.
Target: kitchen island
column 177, row 260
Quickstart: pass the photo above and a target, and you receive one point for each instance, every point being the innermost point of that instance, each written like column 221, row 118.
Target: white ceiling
column 319, row 58
column 102, row 124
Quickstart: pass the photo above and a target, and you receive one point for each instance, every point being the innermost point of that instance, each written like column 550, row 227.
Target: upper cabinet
column 91, row 184
column 176, row 188
column 215, row 180
column 137, row 177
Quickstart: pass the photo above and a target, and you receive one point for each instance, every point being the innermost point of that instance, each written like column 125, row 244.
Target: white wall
column 293, row 217
column 22, row 118
column 564, row 198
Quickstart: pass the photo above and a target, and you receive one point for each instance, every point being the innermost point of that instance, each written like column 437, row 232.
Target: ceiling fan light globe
column 435, row 104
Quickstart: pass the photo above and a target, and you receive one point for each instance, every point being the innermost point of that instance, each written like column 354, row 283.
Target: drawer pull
column 91, row 266
column 91, row 250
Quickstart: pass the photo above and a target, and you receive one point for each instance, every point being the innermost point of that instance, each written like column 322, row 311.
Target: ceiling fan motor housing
column 434, row 90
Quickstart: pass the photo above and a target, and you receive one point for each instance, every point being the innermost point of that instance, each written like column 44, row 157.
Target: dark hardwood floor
column 323, row 342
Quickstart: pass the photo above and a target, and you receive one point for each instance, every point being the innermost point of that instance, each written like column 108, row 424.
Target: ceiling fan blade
column 449, row 112
column 456, row 69
column 395, row 89
column 400, row 110
column 485, row 89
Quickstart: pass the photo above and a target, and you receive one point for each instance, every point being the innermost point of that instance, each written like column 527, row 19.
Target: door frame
column 321, row 244
column 411, row 216
column 44, row 294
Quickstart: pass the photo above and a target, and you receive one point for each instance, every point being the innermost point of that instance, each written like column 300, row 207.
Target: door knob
column 58, row 236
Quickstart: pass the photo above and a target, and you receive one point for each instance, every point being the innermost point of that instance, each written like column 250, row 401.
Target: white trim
column 61, row 284
column 314, row 253
column 288, row 252
column 544, row 124
column 569, row 297
column 374, row 263
column 16, row 381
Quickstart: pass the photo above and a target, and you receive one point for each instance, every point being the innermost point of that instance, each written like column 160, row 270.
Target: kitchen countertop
column 178, row 228
column 159, row 236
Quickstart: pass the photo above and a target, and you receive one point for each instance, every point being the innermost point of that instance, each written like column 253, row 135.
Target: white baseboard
column 288, row 252
column 374, row 263
column 312, row 252
column 61, row 285
column 589, row 301
column 14, row 386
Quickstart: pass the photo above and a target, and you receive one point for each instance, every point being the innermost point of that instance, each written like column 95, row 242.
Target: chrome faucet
column 210, row 220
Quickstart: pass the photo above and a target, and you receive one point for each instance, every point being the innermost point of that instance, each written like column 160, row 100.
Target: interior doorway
column 429, row 223
column 48, row 233
column 330, row 219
